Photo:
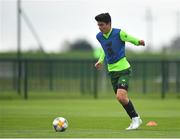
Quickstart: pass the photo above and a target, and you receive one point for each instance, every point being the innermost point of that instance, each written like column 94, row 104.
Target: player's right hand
column 98, row 65
column 141, row 42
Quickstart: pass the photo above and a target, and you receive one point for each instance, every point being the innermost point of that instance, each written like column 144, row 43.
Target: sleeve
column 128, row 38
column 101, row 57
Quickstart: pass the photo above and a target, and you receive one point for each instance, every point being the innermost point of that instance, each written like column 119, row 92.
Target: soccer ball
column 60, row 124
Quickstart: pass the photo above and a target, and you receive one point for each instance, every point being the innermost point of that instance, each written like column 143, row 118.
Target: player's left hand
column 141, row 42
column 98, row 65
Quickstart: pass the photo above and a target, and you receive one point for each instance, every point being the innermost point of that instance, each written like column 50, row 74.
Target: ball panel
column 60, row 124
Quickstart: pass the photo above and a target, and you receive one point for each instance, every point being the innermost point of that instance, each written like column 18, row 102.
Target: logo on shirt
column 109, row 43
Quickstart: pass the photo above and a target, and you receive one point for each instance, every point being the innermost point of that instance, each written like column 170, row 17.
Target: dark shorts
column 120, row 79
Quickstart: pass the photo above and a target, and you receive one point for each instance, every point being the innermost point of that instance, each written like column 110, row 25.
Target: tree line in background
column 81, row 48
column 174, row 46
column 84, row 45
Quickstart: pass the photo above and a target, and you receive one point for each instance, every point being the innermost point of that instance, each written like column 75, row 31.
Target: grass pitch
column 102, row 118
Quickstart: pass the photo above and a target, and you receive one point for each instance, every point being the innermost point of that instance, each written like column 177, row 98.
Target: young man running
column 113, row 41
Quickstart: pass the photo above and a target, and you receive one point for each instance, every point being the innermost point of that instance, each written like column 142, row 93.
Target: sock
column 130, row 110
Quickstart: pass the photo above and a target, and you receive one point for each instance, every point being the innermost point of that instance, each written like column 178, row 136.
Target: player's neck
column 108, row 31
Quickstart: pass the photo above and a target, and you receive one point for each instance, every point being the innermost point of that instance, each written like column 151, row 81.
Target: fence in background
column 80, row 76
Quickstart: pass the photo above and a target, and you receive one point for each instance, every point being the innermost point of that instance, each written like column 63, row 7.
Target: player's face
column 104, row 27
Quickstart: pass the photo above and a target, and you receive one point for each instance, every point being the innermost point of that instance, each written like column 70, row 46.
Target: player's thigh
column 114, row 80
column 120, row 79
column 123, row 80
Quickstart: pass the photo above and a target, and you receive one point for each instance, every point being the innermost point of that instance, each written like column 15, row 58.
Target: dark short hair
column 104, row 17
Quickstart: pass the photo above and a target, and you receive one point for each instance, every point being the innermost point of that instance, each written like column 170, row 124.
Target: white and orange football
column 60, row 124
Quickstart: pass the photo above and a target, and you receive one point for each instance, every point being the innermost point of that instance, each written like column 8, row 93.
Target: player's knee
column 122, row 98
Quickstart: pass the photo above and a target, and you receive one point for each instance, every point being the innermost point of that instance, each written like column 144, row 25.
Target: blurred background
column 48, row 48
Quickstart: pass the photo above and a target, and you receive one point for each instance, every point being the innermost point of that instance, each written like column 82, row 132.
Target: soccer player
column 113, row 41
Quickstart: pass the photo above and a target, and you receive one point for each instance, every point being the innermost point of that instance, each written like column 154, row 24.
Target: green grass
column 103, row 118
